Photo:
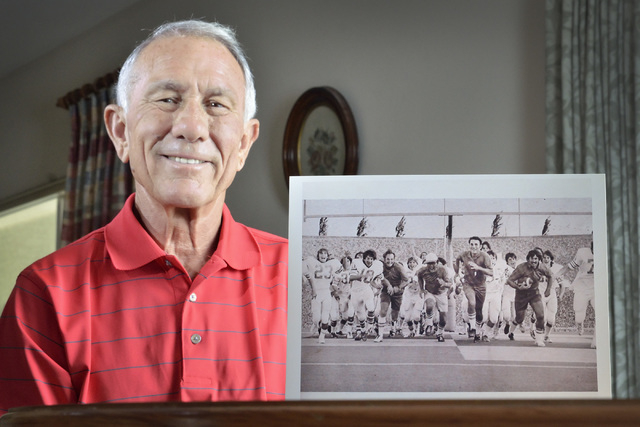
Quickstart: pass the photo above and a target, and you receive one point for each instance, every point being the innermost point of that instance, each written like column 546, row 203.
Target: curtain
column 593, row 120
column 97, row 182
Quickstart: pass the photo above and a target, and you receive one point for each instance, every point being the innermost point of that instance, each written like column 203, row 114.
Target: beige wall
column 436, row 87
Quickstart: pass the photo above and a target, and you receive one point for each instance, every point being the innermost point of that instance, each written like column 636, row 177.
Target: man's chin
column 188, row 201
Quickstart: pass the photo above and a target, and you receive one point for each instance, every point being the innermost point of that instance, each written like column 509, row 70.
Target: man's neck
column 191, row 235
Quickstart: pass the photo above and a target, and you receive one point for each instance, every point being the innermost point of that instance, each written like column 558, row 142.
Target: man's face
column 184, row 133
column 389, row 259
column 474, row 246
column 412, row 264
column 431, row 266
column 546, row 259
column 368, row 261
column 323, row 256
column 511, row 262
column 534, row 261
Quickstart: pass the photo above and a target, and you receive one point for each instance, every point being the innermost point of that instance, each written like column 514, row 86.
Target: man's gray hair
column 191, row 28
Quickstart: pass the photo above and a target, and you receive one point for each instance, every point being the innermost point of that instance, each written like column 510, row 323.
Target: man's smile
column 186, row 161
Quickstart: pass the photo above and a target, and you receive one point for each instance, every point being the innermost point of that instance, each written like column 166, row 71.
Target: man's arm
column 551, row 281
column 487, row 271
column 445, row 281
column 405, row 277
column 514, row 277
column 456, row 264
column 34, row 368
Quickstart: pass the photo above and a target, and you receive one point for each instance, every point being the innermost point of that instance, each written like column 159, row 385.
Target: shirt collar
column 130, row 246
column 237, row 246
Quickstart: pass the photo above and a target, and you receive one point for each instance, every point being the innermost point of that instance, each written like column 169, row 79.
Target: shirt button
column 193, row 297
column 196, row 338
column 167, row 263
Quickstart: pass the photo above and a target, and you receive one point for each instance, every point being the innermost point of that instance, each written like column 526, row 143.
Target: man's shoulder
column 273, row 248
column 77, row 257
column 266, row 238
column 397, row 267
column 442, row 271
column 76, row 252
column 522, row 267
column 421, row 270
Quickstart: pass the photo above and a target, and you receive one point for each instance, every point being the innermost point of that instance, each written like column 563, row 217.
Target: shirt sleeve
column 34, row 363
column 517, row 273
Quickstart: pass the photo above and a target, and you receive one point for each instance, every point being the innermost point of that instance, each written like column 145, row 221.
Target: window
column 28, row 232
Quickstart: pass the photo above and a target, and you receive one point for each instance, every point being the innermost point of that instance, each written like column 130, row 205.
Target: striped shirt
column 113, row 318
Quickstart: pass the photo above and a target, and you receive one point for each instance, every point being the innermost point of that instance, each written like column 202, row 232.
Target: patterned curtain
column 98, row 183
column 593, row 126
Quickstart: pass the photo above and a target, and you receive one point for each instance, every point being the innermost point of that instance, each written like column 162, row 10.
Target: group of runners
column 367, row 297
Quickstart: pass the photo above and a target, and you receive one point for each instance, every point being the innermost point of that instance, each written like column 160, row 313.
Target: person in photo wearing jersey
column 508, row 296
column 342, row 313
column 493, row 299
column 583, row 286
column 477, row 266
column 526, row 279
column 396, row 278
column 319, row 271
column 412, row 301
column 366, row 275
column 451, row 296
column 551, row 302
column 435, row 283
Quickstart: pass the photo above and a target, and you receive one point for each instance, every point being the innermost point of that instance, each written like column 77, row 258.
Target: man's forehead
column 160, row 44
column 167, row 53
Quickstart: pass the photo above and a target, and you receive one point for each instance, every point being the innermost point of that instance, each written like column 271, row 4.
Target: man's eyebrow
column 219, row 91
column 165, row 85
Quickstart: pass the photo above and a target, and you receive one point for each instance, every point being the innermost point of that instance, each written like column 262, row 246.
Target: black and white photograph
column 404, row 287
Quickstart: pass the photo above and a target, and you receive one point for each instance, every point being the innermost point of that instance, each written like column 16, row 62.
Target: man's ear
column 251, row 132
column 115, row 123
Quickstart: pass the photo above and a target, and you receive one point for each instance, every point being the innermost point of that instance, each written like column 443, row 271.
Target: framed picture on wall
column 447, row 287
column 321, row 136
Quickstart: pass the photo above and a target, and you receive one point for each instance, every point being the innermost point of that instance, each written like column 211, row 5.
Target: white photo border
column 446, row 187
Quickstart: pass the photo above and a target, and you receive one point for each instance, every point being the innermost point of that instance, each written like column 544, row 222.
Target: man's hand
column 473, row 266
column 444, row 283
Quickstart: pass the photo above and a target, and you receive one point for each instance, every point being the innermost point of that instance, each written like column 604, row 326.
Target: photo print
column 448, row 287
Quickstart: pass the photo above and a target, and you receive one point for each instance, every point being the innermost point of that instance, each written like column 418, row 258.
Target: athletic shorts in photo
column 441, row 300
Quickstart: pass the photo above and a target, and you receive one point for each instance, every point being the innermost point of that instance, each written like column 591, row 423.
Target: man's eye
column 214, row 104
column 169, row 101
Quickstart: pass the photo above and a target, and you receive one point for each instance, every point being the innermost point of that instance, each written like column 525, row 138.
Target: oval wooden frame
column 308, row 101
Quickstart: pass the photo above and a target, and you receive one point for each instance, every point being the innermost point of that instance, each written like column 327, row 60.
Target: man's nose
column 191, row 121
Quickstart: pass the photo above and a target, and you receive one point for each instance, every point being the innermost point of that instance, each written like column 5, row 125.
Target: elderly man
column 173, row 300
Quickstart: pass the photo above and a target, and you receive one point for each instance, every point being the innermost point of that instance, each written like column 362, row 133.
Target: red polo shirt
column 113, row 318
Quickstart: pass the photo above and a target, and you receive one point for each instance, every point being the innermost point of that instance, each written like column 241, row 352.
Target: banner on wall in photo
column 448, row 287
